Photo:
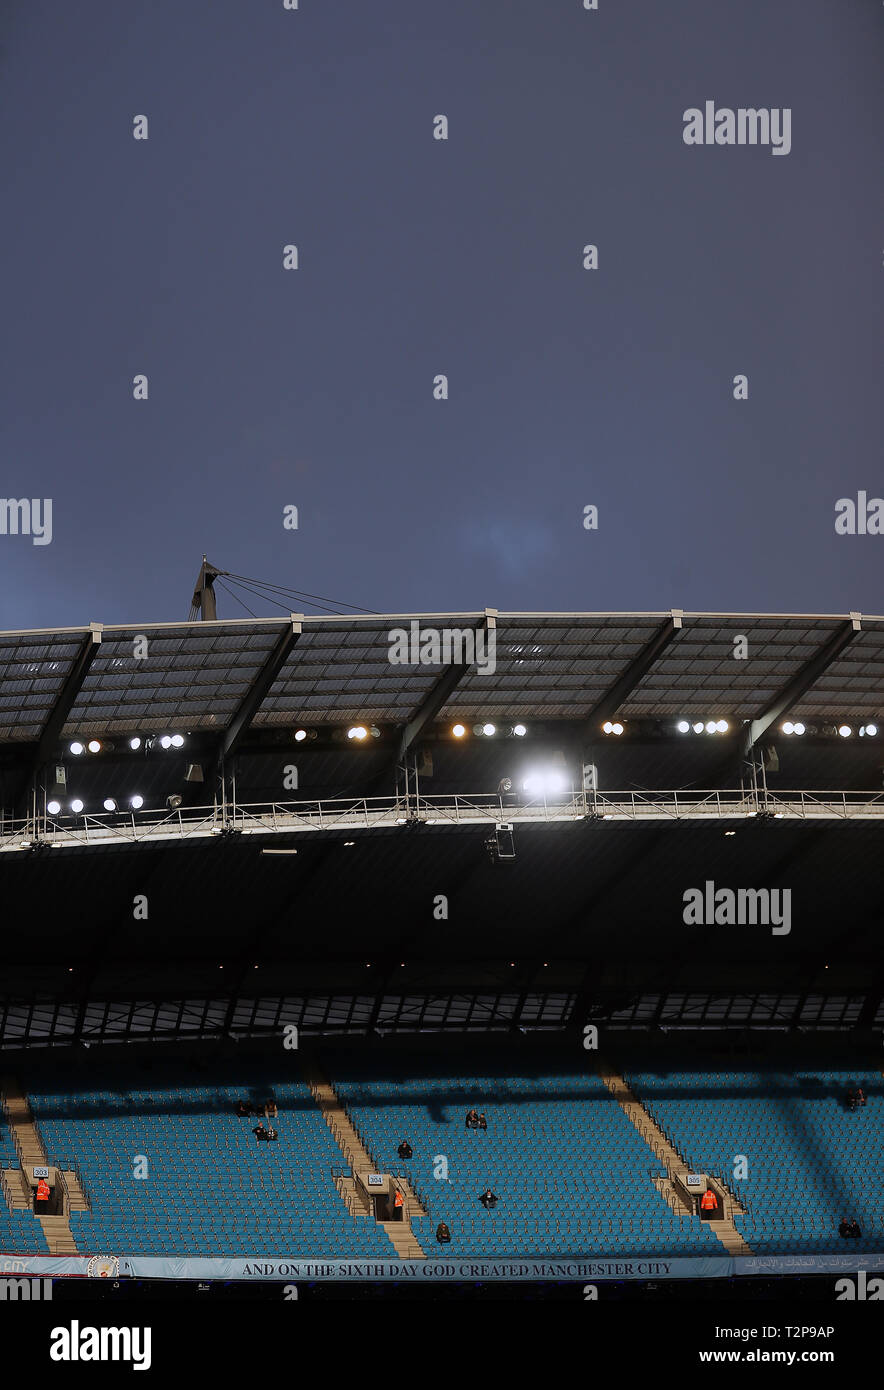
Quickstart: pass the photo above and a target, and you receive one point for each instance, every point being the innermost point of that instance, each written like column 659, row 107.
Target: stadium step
column 58, row 1235
column 359, row 1160
column 675, row 1166
column 31, row 1154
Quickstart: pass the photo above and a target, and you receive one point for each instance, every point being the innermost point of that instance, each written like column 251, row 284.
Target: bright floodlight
column 698, row 727
column 711, row 726
column 53, row 807
column 845, row 731
column 94, row 746
column 489, row 730
column 722, row 726
column 683, row 726
column 458, row 730
column 617, row 729
column 136, row 802
column 135, row 743
column 177, row 741
column 76, row 807
column 300, row 735
column 788, row 727
column 166, row 741
column 357, row 732
column 77, row 749
column 519, row 730
column 109, row 804
column 545, row 783
column 798, row 729
column 607, row 727
column 871, row 730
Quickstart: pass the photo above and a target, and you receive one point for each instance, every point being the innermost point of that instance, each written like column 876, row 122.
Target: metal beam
column 440, row 693
column 434, row 700
column 801, row 683
column 637, row 669
column 254, row 696
column 58, row 715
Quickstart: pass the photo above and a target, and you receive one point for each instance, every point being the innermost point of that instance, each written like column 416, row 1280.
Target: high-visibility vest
column 397, row 1200
column 42, row 1190
column 709, row 1201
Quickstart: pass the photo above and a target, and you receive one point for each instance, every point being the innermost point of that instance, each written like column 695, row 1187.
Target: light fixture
column 77, row 749
column 458, row 730
column 544, row 784
column 683, row 726
column 300, row 735
column 711, row 727
column 109, row 804
column 698, row 727
column 135, row 743
column 798, row 729
column 505, row 785
column 177, row 741
column 519, row 730
column 173, row 802
column 868, row 730
column 489, row 730
column 53, row 807
column 788, row 727
column 166, row 741
column 358, row 732
column 845, row 730
column 94, row 746
column 136, row 802
column 76, row 806
column 722, row 726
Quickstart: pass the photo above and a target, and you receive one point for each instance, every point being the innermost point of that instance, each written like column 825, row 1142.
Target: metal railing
column 479, row 808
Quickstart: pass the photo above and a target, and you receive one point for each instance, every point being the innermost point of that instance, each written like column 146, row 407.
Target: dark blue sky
column 418, row 257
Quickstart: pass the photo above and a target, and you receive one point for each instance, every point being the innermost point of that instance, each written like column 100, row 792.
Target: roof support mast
column 203, row 601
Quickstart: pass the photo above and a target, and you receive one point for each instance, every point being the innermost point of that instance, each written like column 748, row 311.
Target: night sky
column 418, row 257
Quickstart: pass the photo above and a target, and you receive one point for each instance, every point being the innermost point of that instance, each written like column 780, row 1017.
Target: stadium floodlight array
column 77, row 748
column 703, row 726
column 488, row 729
column 609, row 728
column 76, row 806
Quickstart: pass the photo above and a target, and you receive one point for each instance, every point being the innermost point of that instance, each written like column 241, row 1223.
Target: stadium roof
column 261, row 673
